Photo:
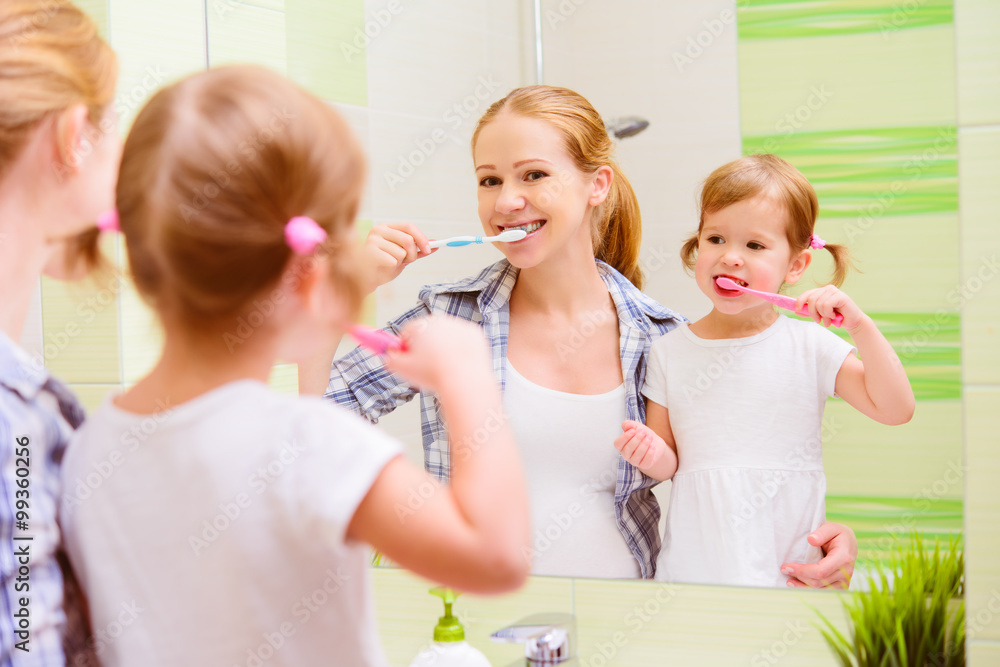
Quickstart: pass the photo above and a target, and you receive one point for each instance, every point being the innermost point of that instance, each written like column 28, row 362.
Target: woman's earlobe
column 72, row 144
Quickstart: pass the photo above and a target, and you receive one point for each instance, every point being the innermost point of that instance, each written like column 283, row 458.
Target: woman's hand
column 390, row 247
column 837, row 567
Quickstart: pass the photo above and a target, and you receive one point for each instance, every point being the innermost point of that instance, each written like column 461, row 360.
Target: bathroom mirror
column 863, row 105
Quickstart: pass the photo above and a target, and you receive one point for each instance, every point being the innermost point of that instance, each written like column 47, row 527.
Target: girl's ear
column 601, row 185
column 798, row 266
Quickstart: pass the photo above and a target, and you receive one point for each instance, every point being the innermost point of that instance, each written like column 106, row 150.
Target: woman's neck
column 565, row 288
column 23, row 255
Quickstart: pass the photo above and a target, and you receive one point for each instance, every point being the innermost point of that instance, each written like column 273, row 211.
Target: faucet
column 549, row 639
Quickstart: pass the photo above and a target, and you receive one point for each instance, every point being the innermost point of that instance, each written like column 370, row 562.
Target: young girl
column 544, row 163
column 230, row 526
column 734, row 401
column 59, row 151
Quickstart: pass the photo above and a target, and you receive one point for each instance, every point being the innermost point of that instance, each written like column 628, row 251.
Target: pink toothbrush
column 376, row 340
column 780, row 300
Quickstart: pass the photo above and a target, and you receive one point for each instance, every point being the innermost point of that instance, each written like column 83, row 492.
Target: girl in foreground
column 236, row 520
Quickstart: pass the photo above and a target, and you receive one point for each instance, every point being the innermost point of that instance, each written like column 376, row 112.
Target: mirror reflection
column 862, row 107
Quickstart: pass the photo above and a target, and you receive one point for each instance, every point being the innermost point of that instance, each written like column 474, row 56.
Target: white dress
column 746, row 414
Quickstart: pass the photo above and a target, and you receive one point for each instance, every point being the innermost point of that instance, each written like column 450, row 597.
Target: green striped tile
column 769, row 19
column 873, row 172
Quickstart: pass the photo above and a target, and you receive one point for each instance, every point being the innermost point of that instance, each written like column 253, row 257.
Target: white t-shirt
column 567, row 446
column 213, row 533
column 746, row 414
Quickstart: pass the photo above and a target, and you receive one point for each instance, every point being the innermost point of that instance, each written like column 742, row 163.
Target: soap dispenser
column 449, row 648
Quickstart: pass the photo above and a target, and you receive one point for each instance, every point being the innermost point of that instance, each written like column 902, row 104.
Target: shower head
column 626, row 126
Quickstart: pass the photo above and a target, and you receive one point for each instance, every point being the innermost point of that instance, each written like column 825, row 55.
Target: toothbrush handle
column 456, row 241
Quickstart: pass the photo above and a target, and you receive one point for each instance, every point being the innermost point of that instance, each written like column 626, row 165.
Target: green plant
column 913, row 615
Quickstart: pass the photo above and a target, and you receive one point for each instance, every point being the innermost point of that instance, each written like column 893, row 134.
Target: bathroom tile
column 156, row 44
column 284, row 379
column 141, row 335
column 646, row 623
column 903, row 263
column 977, row 53
column 357, row 118
column 80, row 331
column 97, row 10
column 322, row 54
column 979, row 290
column 243, row 32
column 982, row 540
column 981, row 654
column 809, row 84
column 899, row 461
column 91, row 396
column 407, row 613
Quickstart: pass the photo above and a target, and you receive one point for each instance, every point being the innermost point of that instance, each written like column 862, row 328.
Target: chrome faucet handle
column 549, row 639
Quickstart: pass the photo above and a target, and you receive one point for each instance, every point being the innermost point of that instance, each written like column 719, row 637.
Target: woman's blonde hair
column 617, row 229
column 768, row 175
column 51, row 58
column 213, row 168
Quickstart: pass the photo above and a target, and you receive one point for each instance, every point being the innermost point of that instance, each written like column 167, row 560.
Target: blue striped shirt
column 37, row 416
column 360, row 381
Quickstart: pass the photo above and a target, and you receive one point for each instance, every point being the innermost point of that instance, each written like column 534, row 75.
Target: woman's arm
column 474, row 533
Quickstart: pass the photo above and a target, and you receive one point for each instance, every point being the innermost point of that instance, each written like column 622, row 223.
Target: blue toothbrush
column 459, row 241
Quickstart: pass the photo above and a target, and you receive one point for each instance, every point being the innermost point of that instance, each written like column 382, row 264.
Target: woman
column 570, row 332
column 59, row 151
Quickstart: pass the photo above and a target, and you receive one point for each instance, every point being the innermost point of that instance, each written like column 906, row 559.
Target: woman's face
column 527, row 180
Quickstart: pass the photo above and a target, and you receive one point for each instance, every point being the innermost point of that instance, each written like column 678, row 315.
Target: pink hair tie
column 109, row 222
column 816, row 242
column 303, row 235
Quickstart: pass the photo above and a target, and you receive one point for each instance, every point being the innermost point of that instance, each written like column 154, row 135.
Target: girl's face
column 747, row 243
column 528, row 181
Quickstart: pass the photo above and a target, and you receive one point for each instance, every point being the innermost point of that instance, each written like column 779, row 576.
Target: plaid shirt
column 360, row 381
column 35, row 406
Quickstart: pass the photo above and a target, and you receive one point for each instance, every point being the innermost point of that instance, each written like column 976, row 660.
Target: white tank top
column 567, row 444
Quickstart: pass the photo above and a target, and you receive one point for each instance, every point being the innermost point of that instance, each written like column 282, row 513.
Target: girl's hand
column 825, row 302
column 443, row 353
column 392, row 246
column 640, row 446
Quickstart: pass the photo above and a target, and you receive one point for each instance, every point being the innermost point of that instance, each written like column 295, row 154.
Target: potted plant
column 912, row 615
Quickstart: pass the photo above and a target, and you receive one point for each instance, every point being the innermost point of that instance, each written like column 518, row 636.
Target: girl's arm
column 650, row 447
column 474, row 533
column 876, row 383
column 388, row 249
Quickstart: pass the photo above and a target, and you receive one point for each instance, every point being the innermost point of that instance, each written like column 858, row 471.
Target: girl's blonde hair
column 768, row 175
column 213, row 168
column 617, row 229
column 51, row 58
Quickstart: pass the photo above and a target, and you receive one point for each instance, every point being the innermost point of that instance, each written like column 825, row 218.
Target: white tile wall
column 628, row 59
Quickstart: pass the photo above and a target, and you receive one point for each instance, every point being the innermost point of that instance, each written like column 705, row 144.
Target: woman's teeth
column 527, row 228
